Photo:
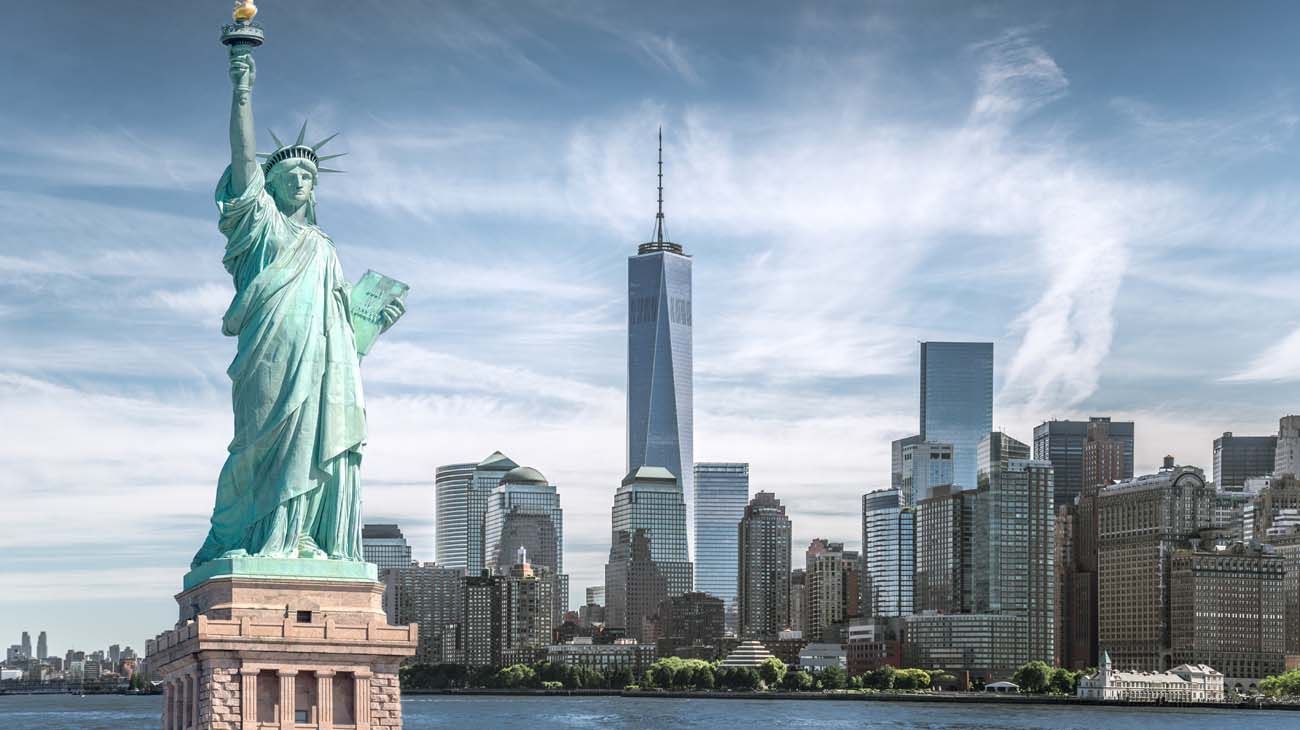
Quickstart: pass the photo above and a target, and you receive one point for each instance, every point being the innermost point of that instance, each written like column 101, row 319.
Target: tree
column 799, row 681
column 1063, row 682
column 881, row 678
column 1033, row 677
column 618, row 677
column 832, row 677
column 1286, row 684
column 911, row 679
column 772, row 671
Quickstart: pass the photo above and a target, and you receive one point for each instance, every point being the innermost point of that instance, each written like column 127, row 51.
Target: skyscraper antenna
column 659, row 219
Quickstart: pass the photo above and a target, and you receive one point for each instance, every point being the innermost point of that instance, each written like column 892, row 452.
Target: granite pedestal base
column 256, row 652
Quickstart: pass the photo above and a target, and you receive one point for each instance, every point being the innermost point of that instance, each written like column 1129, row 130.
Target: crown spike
column 324, row 142
column 278, row 142
column 322, row 158
column 264, row 154
column 326, row 169
column 302, row 133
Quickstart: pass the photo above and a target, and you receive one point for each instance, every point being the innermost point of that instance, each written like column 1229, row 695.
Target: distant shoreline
column 977, row 698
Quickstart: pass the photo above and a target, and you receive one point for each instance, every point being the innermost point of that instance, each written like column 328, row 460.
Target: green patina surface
column 254, row 567
column 288, row 500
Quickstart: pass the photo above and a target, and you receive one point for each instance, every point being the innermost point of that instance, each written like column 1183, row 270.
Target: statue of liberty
column 290, row 486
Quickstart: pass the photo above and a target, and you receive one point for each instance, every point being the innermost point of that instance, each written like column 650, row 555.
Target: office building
column 830, row 586
column 432, row 597
column 721, row 493
column 26, row 645
column 650, row 499
column 888, row 554
column 1226, row 610
column 957, row 400
column 385, row 546
column 634, row 585
column 1184, row 683
column 524, row 511
column 1237, row 458
column 1285, row 544
column 896, row 460
column 989, row 646
column 1287, row 458
column 1064, row 442
column 1015, row 540
column 508, row 618
column 1140, row 523
column 42, row 647
column 691, row 619
column 763, row 544
column 451, row 492
column 799, row 601
column 925, row 465
column 622, row 654
column 945, row 551
column 659, row 360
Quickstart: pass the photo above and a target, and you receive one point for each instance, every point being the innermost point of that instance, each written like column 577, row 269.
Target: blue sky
column 1105, row 190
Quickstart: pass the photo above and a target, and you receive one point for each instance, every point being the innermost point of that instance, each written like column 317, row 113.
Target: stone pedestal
column 254, row 651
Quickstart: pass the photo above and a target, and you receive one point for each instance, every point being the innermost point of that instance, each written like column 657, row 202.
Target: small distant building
column 748, row 654
column 622, row 654
column 867, row 648
column 1183, row 683
column 816, row 657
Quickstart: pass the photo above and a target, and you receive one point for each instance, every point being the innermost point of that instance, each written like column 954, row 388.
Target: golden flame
column 245, row 10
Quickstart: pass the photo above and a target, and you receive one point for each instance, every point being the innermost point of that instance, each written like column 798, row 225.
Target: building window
column 268, row 696
column 345, row 699
column 304, row 698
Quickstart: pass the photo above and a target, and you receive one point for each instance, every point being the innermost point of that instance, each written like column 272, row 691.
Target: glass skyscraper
column 650, row 501
column 385, row 546
column 925, row 465
column 721, row 493
column 764, row 558
column 1064, row 442
column 659, row 360
column 524, row 512
column 957, row 400
column 888, row 553
column 462, row 500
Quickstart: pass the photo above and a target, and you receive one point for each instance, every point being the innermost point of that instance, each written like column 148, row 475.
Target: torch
column 243, row 35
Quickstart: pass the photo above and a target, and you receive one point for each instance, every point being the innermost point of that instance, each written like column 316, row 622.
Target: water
column 67, row 712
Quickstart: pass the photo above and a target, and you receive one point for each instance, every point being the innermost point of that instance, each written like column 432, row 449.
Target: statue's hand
column 391, row 314
column 242, row 69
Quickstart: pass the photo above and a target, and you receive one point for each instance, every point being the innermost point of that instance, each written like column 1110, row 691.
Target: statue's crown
column 298, row 151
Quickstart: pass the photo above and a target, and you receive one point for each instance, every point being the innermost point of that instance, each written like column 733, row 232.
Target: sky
column 1106, row 191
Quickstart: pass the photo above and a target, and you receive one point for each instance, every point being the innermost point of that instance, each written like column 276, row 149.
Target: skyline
column 1073, row 207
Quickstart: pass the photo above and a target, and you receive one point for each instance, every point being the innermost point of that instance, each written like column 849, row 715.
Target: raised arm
column 243, row 151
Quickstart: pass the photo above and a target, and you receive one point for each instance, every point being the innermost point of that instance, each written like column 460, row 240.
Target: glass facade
column 925, row 465
column 650, row 501
column 451, row 491
column 957, row 400
column 524, row 512
column 1015, row 541
column 1237, row 458
column 385, row 546
column 721, row 493
column 888, row 553
column 659, row 366
column 1064, row 444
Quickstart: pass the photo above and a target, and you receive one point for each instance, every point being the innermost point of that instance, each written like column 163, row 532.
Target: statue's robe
column 291, row 478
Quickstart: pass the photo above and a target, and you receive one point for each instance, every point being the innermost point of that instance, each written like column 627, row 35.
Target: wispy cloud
column 1280, row 362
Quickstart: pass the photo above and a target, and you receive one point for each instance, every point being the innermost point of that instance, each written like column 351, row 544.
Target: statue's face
column 291, row 185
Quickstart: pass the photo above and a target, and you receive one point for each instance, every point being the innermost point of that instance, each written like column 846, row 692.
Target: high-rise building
column 830, row 585
column 691, row 619
column 462, row 503
column 1226, row 610
column 385, row 546
column 764, row 568
column 451, row 494
column 926, row 465
column 659, row 359
column 896, row 460
column 957, row 400
column 27, row 645
column 945, row 551
column 524, row 512
column 595, row 595
column 1063, row 443
column 1237, row 458
column 888, row 554
column 799, row 601
column 634, row 584
column 1015, row 539
column 432, row 597
column 1140, row 523
column 650, row 499
column 509, row 618
column 721, row 492
column 1287, row 458
column 988, row 645
column 42, row 648
column 1081, row 651
column 1286, row 545
column 1063, row 600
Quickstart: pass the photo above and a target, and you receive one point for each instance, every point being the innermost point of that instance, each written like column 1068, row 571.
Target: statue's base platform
column 249, row 567
column 289, row 652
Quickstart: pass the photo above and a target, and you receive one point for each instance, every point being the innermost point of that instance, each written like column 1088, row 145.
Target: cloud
column 1280, row 362
column 668, row 54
